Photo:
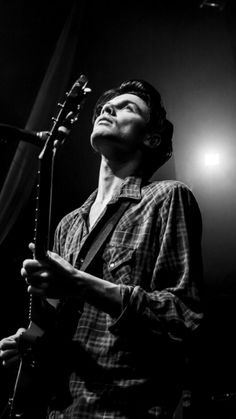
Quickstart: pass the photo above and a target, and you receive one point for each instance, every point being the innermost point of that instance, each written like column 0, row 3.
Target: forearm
column 102, row 294
column 54, row 279
column 157, row 314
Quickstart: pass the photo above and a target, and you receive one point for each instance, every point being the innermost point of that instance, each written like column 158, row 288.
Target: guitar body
column 30, row 399
column 41, row 359
column 27, row 402
column 39, row 374
column 33, row 384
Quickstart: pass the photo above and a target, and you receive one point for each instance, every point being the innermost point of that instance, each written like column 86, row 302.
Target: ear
column 152, row 140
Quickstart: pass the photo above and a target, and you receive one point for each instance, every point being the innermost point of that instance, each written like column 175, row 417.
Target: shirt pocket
column 118, row 264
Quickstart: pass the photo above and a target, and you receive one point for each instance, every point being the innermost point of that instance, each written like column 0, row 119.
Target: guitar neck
column 43, row 205
column 62, row 125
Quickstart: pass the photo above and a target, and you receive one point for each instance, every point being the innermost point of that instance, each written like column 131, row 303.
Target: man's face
column 119, row 129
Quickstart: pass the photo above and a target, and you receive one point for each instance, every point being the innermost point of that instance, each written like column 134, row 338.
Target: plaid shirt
column 131, row 366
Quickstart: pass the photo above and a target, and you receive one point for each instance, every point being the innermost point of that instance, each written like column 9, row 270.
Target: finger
column 20, row 332
column 11, row 341
column 37, row 283
column 39, row 279
column 35, row 271
column 7, row 343
column 11, row 362
column 34, row 275
column 4, row 355
column 23, row 272
column 40, row 292
column 32, row 264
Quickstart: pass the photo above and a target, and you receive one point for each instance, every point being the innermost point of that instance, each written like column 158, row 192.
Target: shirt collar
column 130, row 188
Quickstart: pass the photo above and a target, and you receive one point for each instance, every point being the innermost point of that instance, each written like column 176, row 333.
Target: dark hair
column 157, row 125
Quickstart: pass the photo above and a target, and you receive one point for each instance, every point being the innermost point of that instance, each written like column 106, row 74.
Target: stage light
column 216, row 4
column 212, row 159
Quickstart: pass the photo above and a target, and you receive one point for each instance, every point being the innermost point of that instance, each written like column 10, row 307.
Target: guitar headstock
column 69, row 112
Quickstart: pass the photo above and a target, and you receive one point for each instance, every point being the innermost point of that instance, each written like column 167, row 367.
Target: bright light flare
column 212, row 159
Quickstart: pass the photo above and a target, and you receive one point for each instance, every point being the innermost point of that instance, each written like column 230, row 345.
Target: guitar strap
column 98, row 237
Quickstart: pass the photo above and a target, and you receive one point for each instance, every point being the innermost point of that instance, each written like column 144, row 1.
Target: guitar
column 33, row 384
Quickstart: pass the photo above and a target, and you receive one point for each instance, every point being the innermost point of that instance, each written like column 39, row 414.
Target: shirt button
column 112, row 264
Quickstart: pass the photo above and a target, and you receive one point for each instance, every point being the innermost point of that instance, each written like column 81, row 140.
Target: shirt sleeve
column 172, row 309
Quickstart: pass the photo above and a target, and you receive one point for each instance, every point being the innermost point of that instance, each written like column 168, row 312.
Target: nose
column 109, row 109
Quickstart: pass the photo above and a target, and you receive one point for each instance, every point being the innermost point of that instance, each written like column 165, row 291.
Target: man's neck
column 111, row 176
column 110, row 179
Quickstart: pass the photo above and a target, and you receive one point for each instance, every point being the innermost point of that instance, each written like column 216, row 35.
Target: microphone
column 12, row 133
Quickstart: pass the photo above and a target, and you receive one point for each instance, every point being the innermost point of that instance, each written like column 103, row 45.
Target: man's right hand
column 9, row 353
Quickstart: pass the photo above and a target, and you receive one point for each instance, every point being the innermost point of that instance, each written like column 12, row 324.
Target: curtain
column 22, row 173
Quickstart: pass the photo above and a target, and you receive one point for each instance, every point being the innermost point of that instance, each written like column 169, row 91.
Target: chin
column 101, row 130
column 100, row 136
column 96, row 142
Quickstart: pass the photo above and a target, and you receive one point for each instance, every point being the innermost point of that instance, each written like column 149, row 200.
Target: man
column 139, row 304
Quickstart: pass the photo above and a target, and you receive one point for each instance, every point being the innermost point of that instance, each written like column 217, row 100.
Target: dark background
column 189, row 54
